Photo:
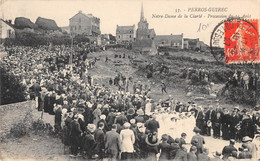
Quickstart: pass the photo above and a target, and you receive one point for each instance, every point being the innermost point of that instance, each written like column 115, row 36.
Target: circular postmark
column 235, row 40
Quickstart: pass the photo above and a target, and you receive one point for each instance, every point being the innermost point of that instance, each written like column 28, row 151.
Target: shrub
column 19, row 130
column 11, row 89
column 241, row 96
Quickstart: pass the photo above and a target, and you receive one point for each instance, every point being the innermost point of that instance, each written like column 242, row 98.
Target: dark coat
column 113, row 143
column 139, row 118
column 152, row 125
column 245, row 155
column 248, row 128
column 110, row 119
column 227, row 151
column 174, row 148
column 181, row 155
column 75, row 133
column 121, row 120
column 106, row 128
column 100, row 140
column 88, row 116
column 200, row 141
column 165, row 150
column 89, row 143
column 191, row 157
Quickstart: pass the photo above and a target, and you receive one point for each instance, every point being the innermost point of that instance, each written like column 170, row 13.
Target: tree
column 11, row 89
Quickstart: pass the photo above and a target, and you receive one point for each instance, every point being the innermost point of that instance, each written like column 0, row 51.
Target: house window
column 71, row 28
column 149, row 36
column 130, row 32
column 79, row 20
column 130, row 36
column 9, row 33
column 119, row 36
column 79, row 27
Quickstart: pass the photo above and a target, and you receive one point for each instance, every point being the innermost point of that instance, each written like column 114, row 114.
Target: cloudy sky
column 127, row 12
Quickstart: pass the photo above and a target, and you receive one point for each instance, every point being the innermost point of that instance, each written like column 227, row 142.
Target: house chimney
column 80, row 11
column 10, row 21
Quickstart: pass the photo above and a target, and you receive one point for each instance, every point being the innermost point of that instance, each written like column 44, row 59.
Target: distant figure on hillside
column 163, row 87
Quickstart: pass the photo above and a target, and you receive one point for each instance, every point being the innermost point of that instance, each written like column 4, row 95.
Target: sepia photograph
column 133, row 80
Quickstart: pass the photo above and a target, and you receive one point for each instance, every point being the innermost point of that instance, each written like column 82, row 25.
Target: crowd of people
column 246, row 80
column 97, row 122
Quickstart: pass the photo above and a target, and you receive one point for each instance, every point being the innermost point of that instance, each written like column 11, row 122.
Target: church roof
column 125, row 29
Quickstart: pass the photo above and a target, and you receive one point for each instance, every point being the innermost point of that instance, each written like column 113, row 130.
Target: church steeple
column 142, row 13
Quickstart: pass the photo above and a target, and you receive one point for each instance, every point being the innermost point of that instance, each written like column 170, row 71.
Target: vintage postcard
column 129, row 80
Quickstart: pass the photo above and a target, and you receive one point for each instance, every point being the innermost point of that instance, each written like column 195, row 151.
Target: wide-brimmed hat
column 91, row 127
column 140, row 112
column 196, row 129
column 106, row 106
column 246, row 138
column 152, row 143
column 131, row 111
column 103, row 117
column 127, row 125
column 236, row 108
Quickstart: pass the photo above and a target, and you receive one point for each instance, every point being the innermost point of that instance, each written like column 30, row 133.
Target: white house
column 6, row 30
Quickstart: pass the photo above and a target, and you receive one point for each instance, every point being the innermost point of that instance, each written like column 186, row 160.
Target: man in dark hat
column 248, row 127
column 89, row 142
column 152, row 125
column 75, row 135
column 197, row 140
column 111, row 118
column 234, row 120
column 182, row 139
column 216, row 121
column 226, row 125
column 130, row 114
column 121, row 119
column 227, row 150
column 100, row 140
column 209, row 117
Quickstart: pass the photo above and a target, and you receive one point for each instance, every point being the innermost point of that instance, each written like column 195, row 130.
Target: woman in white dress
column 128, row 139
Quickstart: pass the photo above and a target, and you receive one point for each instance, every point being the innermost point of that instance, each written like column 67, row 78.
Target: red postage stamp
column 241, row 41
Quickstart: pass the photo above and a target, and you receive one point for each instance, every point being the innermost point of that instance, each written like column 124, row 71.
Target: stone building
column 6, row 29
column 193, row 44
column 125, row 34
column 143, row 31
column 84, row 24
column 173, row 41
